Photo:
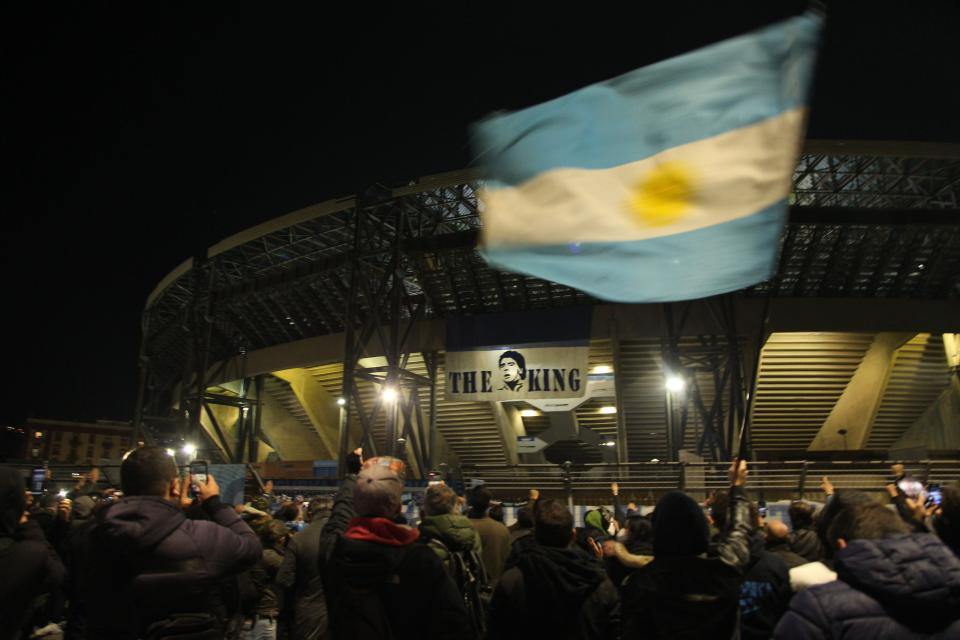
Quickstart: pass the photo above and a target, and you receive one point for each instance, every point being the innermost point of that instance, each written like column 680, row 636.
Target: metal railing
column 798, row 479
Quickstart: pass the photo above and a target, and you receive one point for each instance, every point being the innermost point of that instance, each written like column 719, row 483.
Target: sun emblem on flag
column 663, row 194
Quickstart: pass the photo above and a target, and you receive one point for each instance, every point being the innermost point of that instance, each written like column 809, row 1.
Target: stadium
column 325, row 329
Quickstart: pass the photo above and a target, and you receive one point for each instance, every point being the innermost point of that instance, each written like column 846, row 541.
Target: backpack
column 358, row 612
column 468, row 573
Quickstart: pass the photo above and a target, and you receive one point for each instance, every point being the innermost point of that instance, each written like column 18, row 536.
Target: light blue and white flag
column 667, row 183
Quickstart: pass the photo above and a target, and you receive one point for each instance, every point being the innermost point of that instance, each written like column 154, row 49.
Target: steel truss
column 713, row 368
column 383, row 306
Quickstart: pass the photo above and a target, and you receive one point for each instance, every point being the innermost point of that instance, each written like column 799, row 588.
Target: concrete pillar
column 938, row 428
column 857, row 406
column 510, row 425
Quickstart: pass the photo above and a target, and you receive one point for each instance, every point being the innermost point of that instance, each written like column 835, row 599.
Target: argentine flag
column 667, row 183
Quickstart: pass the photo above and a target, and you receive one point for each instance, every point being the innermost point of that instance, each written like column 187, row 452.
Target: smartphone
column 934, row 495
column 37, row 479
column 762, row 508
column 198, row 474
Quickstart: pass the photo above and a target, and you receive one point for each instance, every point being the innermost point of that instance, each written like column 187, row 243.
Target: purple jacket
column 145, row 561
column 902, row 587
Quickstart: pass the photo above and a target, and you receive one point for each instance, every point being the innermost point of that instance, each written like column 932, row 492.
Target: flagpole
column 752, row 386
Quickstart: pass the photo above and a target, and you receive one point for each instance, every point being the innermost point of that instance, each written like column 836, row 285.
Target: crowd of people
column 165, row 557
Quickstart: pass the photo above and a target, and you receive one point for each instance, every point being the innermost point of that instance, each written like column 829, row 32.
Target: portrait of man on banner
column 513, row 368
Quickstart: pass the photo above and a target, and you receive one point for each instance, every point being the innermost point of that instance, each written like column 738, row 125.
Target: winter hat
column 378, row 491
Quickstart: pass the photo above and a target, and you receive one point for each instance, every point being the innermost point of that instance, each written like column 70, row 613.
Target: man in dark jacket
column 30, row 567
column 379, row 583
column 494, row 536
column 145, row 564
column 555, row 591
column 890, row 584
column 300, row 575
column 686, row 592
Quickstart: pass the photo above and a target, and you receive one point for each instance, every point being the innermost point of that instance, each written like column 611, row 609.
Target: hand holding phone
column 202, row 484
column 198, row 471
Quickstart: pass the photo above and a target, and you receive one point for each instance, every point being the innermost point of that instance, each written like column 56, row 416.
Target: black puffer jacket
column 685, row 592
column 902, row 587
column 555, row 593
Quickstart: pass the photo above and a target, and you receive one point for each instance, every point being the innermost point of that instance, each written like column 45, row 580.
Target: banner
column 532, row 355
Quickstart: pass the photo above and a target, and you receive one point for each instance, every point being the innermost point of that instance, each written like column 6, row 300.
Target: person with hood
column 453, row 532
column 457, row 544
column 555, row 591
column 379, row 582
column 687, row 592
column 30, row 565
column 891, row 584
column 146, row 567
column 300, row 575
column 598, row 521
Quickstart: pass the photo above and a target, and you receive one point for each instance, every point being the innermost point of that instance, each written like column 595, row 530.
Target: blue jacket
column 902, row 587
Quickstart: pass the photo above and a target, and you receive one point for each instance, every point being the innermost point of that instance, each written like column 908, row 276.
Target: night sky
column 136, row 140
